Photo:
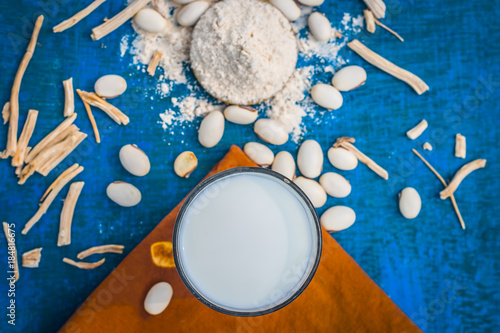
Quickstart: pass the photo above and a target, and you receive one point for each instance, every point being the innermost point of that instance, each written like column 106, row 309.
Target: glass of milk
column 247, row 241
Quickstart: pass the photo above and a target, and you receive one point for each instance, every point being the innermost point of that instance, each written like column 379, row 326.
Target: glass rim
column 214, row 178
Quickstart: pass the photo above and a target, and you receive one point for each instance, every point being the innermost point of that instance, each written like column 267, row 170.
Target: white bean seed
column 335, row 185
column 320, row 27
column 327, row 96
column 271, row 131
column 313, row 190
column 240, row 114
column 124, row 194
column 410, row 203
column 259, row 153
column 158, row 298
column 349, row 78
column 110, row 86
column 284, row 164
column 134, row 160
column 310, row 159
column 185, row 163
column 188, row 15
column 342, row 159
column 211, row 129
column 150, row 20
column 288, row 7
column 338, row 218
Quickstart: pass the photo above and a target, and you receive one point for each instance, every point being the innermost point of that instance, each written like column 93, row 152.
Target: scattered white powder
column 289, row 106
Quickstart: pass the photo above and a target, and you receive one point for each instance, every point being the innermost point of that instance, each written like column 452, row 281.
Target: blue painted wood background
column 444, row 278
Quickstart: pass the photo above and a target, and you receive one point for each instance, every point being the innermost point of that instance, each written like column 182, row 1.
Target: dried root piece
column 69, row 97
column 162, row 254
column 59, row 183
column 12, row 251
column 347, row 144
column 416, row 131
column 91, row 98
column 369, row 20
column 441, row 179
column 77, row 17
column 91, row 117
column 116, row 21
column 427, row 146
column 58, row 180
column 460, row 146
column 111, row 248
column 377, row 7
column 22, row 144
column 53, row 137
column 84, row 265
column 6, row 113
column 32, row 258
column 388, row 29
column 67, row 213
column 376, row 60
column 14, row 96
column 460, row 175
column 155, row 60
column 60, row 152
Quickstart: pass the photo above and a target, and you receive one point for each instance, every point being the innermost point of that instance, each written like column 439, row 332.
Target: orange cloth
column 340, row 298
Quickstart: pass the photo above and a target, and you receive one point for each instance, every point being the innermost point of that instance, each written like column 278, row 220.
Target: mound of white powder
column 243, row 52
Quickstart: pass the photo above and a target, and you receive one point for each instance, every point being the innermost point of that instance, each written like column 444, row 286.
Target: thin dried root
column 155, row 60
column 337, row 34
column 67, row 213
column 58, row 179
column 377, row 7
column 460, row 175
column 32, row 258
column 66, row 24
column 53, row 137
column 460, row 146
column 416, row 131
column 346, row 143
column 22, row 144
column 60, row 152
column 6, row 113
column 57, row 186
column 441, row 179
column 369, row 20
column 14, row 96
column 12, row 251
column 389, row 29
column 378, row 61
column 111, row 248
column 84, row 265
column 91, row 98
column 116, row 21
column 91, row 117
column 69, row 97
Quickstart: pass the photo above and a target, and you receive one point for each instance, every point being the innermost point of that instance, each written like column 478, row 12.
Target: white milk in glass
column 247, row 242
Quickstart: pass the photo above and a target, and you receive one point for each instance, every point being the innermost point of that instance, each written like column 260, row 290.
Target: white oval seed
column 288, row 7
column 271, row 131
column 158, row 298
column 349, row 78
column 211, row 129
column 259, row 153
column 183, row 2
column 327, row 96
column 311, row 3
column 185, row 163
column 150, row 20
column 320, row 27
column 313, row 190
column 240, row 114
column 110, row 86
column 310, row 159
column 338, row 218
column 134, row 160
column 335, row 185
column 409, row 203
column 124, row 194
column 284, row 164
column 188, row 15
column 342, row 159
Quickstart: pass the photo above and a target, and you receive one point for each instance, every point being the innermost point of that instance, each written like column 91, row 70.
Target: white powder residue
column 192, row 107
column 287, row 106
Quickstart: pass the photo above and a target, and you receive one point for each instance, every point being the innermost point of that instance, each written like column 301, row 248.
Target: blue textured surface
column 444, row 278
